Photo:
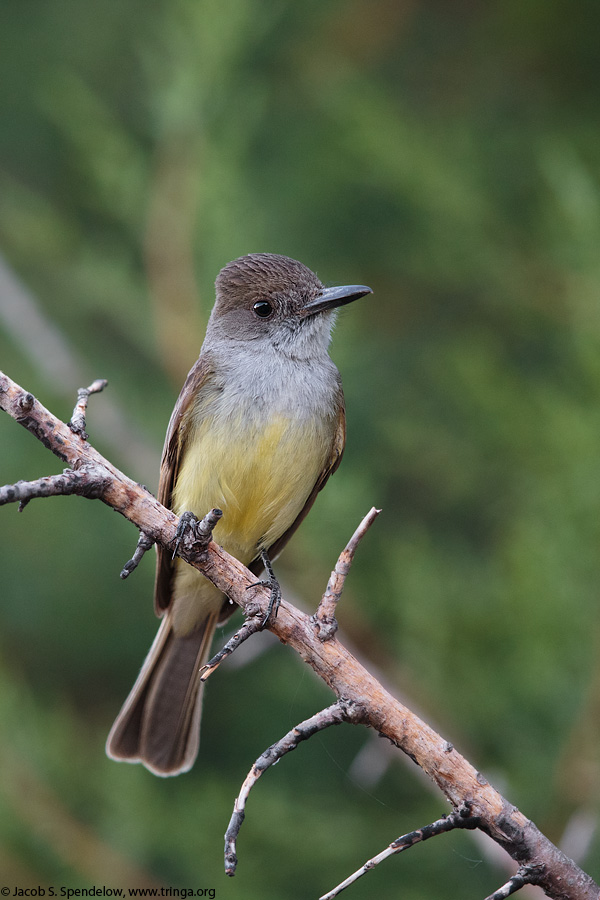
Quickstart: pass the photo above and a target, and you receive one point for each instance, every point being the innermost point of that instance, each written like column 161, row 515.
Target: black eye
column 263, row 309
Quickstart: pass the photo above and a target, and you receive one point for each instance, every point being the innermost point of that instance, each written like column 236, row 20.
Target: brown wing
column 335, row 457
column 175, row 441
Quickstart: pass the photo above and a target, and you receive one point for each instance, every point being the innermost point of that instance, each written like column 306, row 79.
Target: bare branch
column 87, row 481
column 325, row 615
column 49, row 486
column 460, row 818
column 252, row 625
column 144, row 544
column 333, row 715
column 459, row 781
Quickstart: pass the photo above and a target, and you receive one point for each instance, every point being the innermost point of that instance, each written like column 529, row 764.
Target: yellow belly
column 259, row 476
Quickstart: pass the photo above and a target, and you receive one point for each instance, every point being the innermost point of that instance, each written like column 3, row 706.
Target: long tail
column 159, row 724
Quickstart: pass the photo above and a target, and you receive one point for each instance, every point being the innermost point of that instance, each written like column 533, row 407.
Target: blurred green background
column 448, row 156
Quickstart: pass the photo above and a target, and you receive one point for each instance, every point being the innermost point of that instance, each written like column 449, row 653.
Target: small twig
column 460, row 818
column 342, row 711
column 251, row 626
column 525, row 875
column 48, row 486
column 324, row 617
column 143, row 545
column 77, row 423
column 85, row 482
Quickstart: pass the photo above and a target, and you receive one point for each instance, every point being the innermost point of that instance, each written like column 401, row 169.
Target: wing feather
column 175, row 441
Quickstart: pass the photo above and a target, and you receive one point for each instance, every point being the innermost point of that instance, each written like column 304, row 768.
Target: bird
column 257, row 430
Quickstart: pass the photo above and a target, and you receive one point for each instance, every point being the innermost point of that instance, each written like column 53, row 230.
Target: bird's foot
column 272, row 583
column 201, row 530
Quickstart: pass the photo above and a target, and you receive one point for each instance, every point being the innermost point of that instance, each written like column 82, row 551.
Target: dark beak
column 330, row 298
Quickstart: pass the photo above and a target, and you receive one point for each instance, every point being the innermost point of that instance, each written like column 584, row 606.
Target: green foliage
column 448, row 157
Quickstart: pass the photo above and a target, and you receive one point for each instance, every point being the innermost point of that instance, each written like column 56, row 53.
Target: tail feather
column 159, row 724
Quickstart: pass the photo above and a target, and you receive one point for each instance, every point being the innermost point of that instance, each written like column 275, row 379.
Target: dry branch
column 253, row 624
column 459, row 818
column 325, row 615
column 333, row 715
column 91, row 475
column 144, row 544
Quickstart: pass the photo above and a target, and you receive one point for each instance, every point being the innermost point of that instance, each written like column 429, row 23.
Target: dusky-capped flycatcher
column 257, row 430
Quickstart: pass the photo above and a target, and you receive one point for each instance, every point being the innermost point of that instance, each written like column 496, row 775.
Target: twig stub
column 26, row 402
column 525, row 875
column 77, row 423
